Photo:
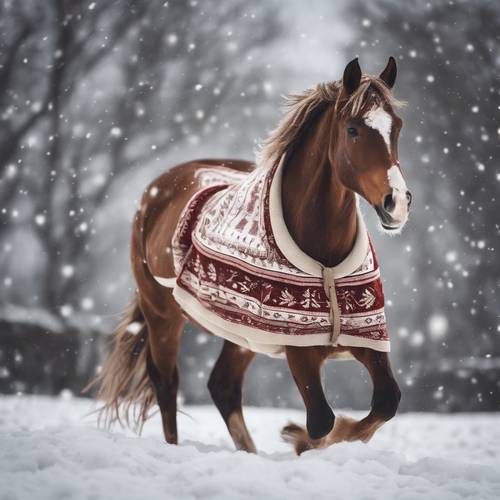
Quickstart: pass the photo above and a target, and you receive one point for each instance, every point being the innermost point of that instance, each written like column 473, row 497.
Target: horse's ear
column 352, row 76
column 388, row 76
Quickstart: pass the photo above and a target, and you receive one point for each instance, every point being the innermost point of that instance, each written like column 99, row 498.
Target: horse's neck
column 319, row 211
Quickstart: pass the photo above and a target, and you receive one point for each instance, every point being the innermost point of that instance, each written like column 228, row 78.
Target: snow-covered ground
column 50, row 450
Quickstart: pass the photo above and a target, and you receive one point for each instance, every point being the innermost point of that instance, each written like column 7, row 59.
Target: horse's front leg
column 386, row 393
column 385, row 401
column 305, row 364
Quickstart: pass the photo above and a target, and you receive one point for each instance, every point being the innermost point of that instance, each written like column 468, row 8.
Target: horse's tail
column 124, row 384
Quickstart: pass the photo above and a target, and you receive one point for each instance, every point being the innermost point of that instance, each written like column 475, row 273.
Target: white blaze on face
column 399, row 189
column 381, row 121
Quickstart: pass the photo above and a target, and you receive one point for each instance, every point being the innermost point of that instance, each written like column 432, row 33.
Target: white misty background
column 97, row 98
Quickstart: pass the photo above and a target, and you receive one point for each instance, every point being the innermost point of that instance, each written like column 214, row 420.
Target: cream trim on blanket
column 291, row 250
column 262, row 341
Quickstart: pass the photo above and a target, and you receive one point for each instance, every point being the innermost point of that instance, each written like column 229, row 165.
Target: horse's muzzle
column 394, row 209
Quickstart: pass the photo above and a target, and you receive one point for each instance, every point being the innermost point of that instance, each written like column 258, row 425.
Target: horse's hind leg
column 225, row 386
column 165, row 331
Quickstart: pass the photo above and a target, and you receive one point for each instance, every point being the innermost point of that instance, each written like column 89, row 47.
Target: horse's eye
column 353, row 132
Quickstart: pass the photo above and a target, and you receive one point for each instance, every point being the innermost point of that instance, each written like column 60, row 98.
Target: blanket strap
column 329, row 285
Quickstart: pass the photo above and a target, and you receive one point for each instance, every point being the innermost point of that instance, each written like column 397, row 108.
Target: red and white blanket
column 240, row 275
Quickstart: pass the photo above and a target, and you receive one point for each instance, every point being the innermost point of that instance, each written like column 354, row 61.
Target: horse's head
column 364, row 145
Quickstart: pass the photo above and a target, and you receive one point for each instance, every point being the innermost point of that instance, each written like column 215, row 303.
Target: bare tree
column 22, row 104
column 82, row 39
column 118, row 84
column 142, row 119
column 94, row 90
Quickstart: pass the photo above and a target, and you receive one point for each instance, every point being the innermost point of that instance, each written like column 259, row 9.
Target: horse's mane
column 305, row 106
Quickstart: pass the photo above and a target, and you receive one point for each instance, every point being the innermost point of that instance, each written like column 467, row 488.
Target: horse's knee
column 320, row 422
column 386, row 402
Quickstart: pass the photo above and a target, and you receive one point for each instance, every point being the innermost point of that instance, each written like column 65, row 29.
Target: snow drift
column 49, row 449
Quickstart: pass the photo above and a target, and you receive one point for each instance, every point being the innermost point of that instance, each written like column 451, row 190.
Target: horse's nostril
column 408, row 197
column 389, row 203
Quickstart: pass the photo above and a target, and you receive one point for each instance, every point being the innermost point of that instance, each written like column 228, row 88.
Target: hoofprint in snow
column 49, row 449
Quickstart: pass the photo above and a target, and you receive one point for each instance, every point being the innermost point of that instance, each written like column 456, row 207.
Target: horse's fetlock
column 320, row 423
column 387, row 402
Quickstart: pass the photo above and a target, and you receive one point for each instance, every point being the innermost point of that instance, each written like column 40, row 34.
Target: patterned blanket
column 240, row 275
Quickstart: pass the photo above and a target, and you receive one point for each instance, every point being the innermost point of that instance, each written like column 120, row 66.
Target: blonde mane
column 303, row 107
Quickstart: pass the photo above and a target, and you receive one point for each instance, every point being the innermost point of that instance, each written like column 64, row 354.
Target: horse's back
column 165, row 198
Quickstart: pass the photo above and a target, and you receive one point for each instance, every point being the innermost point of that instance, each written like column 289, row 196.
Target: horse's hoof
column 343, row 430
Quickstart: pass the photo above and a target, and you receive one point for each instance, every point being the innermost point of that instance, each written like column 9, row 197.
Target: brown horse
column 340, row 140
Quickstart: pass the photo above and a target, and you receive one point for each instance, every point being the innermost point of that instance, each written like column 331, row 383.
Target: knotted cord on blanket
column 329, row 285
